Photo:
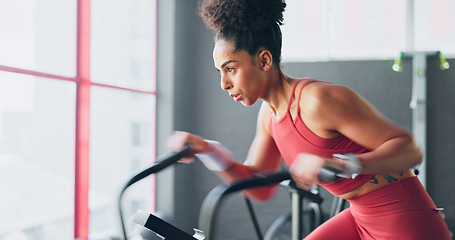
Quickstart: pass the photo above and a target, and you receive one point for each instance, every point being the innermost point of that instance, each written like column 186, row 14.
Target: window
column 39, row 35
column 357, row 29
column 37, row 122
column 119, row 147
column 77, row 115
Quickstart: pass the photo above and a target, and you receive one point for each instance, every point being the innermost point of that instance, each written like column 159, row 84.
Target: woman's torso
column 292, row 127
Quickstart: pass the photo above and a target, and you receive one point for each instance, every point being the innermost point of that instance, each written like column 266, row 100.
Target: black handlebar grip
column 328, row 174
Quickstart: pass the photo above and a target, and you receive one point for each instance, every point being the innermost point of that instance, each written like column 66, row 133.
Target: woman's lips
column 236, row 97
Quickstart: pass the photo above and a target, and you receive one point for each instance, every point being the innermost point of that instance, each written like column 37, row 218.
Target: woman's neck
column 279, row 92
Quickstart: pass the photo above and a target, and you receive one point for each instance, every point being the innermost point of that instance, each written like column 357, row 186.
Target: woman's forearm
column 395, row 155
column 239, row 171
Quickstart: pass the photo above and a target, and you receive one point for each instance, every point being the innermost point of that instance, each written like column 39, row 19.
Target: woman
column 313, row 124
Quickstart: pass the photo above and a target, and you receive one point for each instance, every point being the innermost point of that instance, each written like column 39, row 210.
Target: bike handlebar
column 326, row 174
column 212, row 201
column 167, row 159
column 162, row 162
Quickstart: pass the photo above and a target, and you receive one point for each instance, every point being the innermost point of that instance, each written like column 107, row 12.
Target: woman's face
column 241, row 75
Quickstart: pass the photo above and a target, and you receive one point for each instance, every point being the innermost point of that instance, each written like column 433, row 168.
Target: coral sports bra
column 293, row 137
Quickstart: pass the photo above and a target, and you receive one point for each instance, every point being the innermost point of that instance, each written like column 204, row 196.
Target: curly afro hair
column 252, row 25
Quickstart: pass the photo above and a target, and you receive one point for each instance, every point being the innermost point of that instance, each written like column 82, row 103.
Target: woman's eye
column 230, row 70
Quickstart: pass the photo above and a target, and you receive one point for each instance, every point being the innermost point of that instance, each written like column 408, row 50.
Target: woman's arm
column 263, row 155
column 393, row 148
column 333, row 109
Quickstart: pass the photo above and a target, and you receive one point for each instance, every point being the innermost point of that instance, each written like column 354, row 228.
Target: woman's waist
column 404, row 195
column 377, row 181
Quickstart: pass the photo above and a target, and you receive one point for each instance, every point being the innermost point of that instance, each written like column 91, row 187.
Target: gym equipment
column 166, row 230
column 213, row 200
column 162, row 162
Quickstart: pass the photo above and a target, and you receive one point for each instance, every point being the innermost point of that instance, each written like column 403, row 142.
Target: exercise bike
column 168, row 231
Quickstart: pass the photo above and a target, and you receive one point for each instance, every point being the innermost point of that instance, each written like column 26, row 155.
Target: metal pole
column 296, row 215
column 418, row 106
column 410, row 25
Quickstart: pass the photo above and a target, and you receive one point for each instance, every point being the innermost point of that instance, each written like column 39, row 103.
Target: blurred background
column 91, row 89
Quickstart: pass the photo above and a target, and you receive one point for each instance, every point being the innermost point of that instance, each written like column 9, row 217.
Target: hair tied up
column 241, row 15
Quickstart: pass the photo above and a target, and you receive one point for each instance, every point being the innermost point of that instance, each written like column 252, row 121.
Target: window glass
column 39, row 35
column 357, row 29
column 37, row 121
column 121, row 144
column 351, row 29
column 435, row 26
column 123, row 43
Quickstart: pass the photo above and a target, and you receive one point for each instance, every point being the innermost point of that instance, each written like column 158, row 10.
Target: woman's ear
column 265, row 60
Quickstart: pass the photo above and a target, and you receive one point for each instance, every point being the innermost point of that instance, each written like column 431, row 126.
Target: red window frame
column 82, row 130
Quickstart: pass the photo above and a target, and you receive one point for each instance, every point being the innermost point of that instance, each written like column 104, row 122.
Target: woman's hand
column 305, row 169
column 179, row 139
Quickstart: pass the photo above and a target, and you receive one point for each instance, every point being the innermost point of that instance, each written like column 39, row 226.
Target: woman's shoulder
column 319, row 100
column 319, row 92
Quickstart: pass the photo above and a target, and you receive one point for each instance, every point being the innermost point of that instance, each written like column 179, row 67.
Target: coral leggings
column 399, row 210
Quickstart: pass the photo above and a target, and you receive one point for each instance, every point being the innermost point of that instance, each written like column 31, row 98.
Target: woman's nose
column 225, row 83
